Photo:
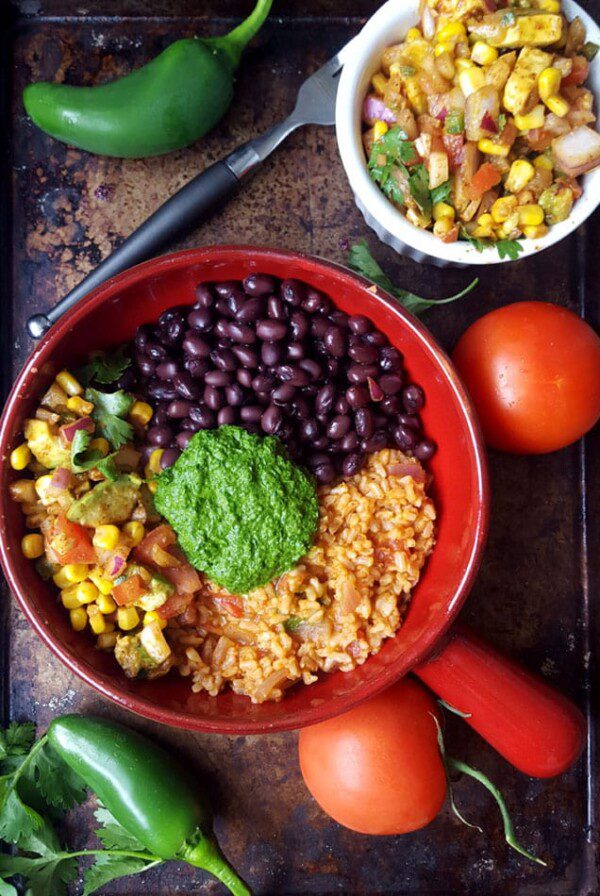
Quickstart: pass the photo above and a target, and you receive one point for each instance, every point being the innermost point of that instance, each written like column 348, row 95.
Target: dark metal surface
column 537, row 593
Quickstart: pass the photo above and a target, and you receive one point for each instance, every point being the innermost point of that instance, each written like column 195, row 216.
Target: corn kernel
column 97, row 620
column 482, row 233
column 521, row 172
column 153, row 616
column 445, row 47
column 127, row 618
column 558, row 105
column 100, row 445
column 443, row 226
column 543, row 162
column 485, row 220
column 443, row 210
column 463, row 65
column 135, row 531
column 23, row 491
column 415, row 95
column 552, row 6
column 69, row 598
column 380, row 128
column 549, row 83
column 152, row 486
column 106, row 604
column 73, row 573
column 141, row 413
column 536, row 232
column 106, row 641
column 503, row 208
column 533, row 119
column 86, row 592
column 453, row 31
column 42, row 484
column 379, row 82
column 20, row 457
column 79, row 405
column 413, row 34
column 483, row 54
column 68, row 382
column 489, row 148
column 511, row 223
column 471, row 80
column 78, row 618
column 106, row 537
column 32, row 546
column 530, row 215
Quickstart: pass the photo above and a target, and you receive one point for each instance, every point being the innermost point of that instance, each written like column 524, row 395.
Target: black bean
column 299, row 325
column 309, row 430
column 246, row 356
column 217, row 378
column 325, row 398
column 222, row 308
column 312, row 368
column 295, row 376
column 319, row 325
column 324, row 473
column 296, row 351
column 194, row 345
column 201, row 319
column 376, row 338
column 173, row 332
column 340, row 318
column 271, row 419
column 271, row 353
column 364, row 423
column 143, row 334
column 235, row 301
column 410, row 420
column 425, row 449
column 226, row 416
column 382, row 421
column 276, row 308
column 390, row 359
column 352, row 464
column 339, row 426
column 234, row 395
column 204, row 417
column 301, row 407
column 168, row 458
column 360, row 324
column 222, row 328
column 391, row 383
column 166, row 370
column 405, row 437
column 251, row 310
column 292, row 292
column 363, row 354
column 413, row 398
column 185, row 385
column 271, row 330
column 189, row 425
column 245, row 377
column 341, row 405
column 225, row 288
column 377, row 441
column 179, row 409
column 312, row 301
column 224, row 359
column 391, row 405
column 146, row 366
column 333, row 366
column 349, row 442
column 334, row 340
column 251, row 413
column 156, row 352
column 283, row 394
column 161, row 391
column 197, row 367
column 359, row 373
column 160, row 436
column 241, row 333
column 213, row 398
column 183, row 439
column 161, row 415
column 259, row 284
column 204, row 296
column 357, row 396
column 263, row 383
column 321, row 443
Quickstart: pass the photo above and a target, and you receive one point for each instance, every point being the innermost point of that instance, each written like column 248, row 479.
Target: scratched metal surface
column 537, row 592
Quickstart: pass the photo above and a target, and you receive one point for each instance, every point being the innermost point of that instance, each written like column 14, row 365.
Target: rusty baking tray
column 538, row 590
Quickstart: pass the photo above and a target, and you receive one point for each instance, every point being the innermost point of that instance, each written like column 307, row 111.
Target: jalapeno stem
column 207, row 855
column 232, row 44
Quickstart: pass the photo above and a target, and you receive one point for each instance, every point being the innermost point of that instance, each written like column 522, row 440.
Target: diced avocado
column 45, row 444
column 159, row 589
column 132, row 656
column 107, row 502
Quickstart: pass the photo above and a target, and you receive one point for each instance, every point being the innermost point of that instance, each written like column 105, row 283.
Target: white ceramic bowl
column 388, row 26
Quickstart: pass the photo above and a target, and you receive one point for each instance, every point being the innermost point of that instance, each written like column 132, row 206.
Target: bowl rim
column 141, row 705
column 372, row 39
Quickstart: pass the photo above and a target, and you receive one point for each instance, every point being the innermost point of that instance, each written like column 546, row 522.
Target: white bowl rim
column 389, row 23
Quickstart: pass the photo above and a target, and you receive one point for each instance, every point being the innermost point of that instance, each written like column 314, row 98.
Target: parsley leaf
column 418, row 182
column 82, row 459
column 109, row 410
column 105, row 369
column 58, row 784
column 113, row 835
column 108, row 867
column 393, row 150
column 17, row 739
column 441, row 193
column 509, row 248
column 44, row 875
column 361, row 260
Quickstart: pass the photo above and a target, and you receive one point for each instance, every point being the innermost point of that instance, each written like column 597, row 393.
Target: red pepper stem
column 232, row 45
column 207, row 855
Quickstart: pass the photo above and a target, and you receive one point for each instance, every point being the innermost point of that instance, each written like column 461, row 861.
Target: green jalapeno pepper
column 167, row 104
column 144, row 789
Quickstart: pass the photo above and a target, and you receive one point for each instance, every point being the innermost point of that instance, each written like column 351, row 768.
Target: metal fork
column 208, row 191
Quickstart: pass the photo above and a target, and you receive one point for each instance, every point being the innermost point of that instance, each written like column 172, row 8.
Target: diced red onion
column 374, row 109
column 442, row 114
column 488, row 123
column 117, row 564
column 67, row 432
column 375, row 390
column 60, row 478
column 414, row 470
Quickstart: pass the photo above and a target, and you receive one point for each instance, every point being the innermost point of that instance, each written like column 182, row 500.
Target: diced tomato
column 70, row 543
column 231, row 603
column 484, row 179
column 174, row 605
column 579, row 72
column 452, row 235
column 163, row 536
column 183, row 576
column 454, row 146
column 130, row 590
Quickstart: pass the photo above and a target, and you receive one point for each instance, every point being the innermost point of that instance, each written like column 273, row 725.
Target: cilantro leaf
column 361, row 260
column 393, row 150
column 7, row 889
column 82, row 459
column 113, row 835
column 502, row 121
column 105, row 369
column 45, row 875
column 17, row 739
column 109, row 410
column 43, row 841
column 509, row 249
column 108, row 867
column 17, row 820
column 441, row 193
column 418, row 182
column 58, row 784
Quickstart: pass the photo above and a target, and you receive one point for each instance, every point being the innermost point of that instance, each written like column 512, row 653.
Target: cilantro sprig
column 361, row 260
column 84, row 458
column 393, row 150
column 505, row 248
column 110, row 409
column 105, row 369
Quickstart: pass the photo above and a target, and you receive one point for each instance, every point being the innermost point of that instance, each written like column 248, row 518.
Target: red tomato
column 174, row 605
column 183, row 576
column 579, row 72
column 377, row 769
column 533, row 371
column 130, row 590
column 486, row 177
column 71, row 543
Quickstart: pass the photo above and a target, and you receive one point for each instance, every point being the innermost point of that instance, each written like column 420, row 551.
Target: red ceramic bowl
column 110, row 315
